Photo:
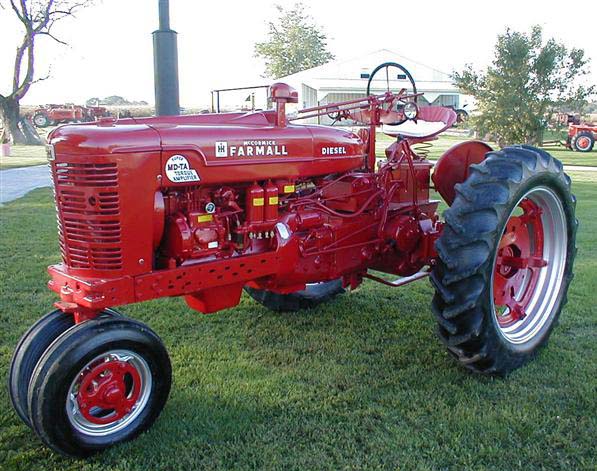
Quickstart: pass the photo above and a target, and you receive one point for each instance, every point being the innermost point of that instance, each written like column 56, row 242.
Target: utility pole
column 165, row 65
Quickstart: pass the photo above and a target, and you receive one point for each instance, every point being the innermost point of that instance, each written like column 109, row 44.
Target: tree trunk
column 10, row 115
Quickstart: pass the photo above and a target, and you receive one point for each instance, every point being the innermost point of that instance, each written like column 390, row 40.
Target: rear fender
column 453, row 166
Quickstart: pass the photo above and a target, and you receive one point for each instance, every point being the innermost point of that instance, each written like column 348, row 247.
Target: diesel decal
column 250, row 149
column 341, row 150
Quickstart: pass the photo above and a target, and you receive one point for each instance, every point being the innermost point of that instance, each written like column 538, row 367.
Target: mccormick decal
column 178, row 170
column 250, row 149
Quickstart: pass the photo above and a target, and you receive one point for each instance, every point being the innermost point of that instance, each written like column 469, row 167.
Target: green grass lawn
column 361, row 383
column 24, row 156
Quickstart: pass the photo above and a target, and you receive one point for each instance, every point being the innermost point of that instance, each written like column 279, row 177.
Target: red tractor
column 206, row 206
column 51, row 115
column 581, row 137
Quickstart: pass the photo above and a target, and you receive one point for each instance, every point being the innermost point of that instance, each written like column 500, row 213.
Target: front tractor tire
column 505, row 260
column 100, row 383
column 313, row 295
column 29, row 350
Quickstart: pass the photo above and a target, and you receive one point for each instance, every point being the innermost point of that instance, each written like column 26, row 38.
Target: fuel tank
column 220, row 148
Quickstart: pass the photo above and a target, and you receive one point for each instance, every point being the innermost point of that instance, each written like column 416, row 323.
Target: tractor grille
column 89, row 223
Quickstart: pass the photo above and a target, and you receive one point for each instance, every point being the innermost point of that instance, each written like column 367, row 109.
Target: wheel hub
column 113, row 395
column 519, row 260
column 109, row 392
column 583, row 142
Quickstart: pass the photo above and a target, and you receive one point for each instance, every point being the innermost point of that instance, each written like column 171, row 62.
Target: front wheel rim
column 583, row 143
column 109, row 393
column 529, row 266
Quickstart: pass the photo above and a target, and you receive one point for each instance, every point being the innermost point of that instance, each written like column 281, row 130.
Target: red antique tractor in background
column 206, row 206
column 51, row 115
column 581, row 137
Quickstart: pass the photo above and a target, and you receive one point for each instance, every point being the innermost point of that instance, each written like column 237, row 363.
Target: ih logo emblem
column 221, row 149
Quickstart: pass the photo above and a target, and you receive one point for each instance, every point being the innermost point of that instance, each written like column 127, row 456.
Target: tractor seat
column 432, row 120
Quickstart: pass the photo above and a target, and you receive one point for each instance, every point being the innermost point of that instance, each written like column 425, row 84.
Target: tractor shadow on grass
column 252, row 379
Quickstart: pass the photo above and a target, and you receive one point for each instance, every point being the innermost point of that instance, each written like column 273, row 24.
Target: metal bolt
column 141, row 261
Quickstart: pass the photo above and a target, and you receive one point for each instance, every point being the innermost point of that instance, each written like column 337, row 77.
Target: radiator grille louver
column 86, row 175
column 88, row 205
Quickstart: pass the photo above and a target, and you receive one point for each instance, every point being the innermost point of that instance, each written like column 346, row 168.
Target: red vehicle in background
column 50, row 115
column 581, row 137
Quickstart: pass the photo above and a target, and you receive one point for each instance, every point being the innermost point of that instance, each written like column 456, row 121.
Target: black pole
column 165, row 65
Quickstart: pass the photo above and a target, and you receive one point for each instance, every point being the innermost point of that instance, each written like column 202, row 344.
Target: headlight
column 50, row 154
column 411, row 110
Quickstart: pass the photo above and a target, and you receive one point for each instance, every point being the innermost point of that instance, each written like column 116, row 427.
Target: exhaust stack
column 165, row 65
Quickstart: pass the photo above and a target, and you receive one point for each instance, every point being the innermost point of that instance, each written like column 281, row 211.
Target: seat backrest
column 432, row 120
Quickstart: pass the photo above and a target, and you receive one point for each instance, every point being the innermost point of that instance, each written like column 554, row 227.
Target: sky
column 110, row 45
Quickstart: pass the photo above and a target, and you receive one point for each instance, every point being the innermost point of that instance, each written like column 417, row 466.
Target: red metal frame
column 289, row 204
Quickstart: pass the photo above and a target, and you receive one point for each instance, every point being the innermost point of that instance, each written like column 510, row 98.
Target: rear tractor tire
column 41, row 120
column 505, row 260
column 100, row 383
column 313, row 295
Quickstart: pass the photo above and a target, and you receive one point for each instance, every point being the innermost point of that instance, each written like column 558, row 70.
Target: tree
column 38, row 18
column 528, row 79
column 95, row 101
column 114, row 100
column 294, row 43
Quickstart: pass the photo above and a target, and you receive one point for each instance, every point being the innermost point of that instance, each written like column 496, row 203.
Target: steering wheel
column 335, row 114
column 387, row 66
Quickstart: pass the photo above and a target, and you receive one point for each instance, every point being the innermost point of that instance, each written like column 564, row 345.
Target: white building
column 347, row 79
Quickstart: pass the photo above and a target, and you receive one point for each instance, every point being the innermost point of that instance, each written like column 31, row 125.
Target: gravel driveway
column 17, row 182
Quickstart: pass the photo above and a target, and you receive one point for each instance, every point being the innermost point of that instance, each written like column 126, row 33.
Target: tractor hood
column 228, row 147
column 105, row 137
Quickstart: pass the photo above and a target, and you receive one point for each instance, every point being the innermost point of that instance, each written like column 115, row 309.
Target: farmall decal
column 178, row 170
column 250, row 149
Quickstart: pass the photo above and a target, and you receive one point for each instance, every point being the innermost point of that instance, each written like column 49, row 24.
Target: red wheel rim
column 529, row 266
column 109, row 393
column 519, row 260
column 583, row 142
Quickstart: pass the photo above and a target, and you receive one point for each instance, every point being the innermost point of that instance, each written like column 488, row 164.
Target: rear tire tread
column 465, row 254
